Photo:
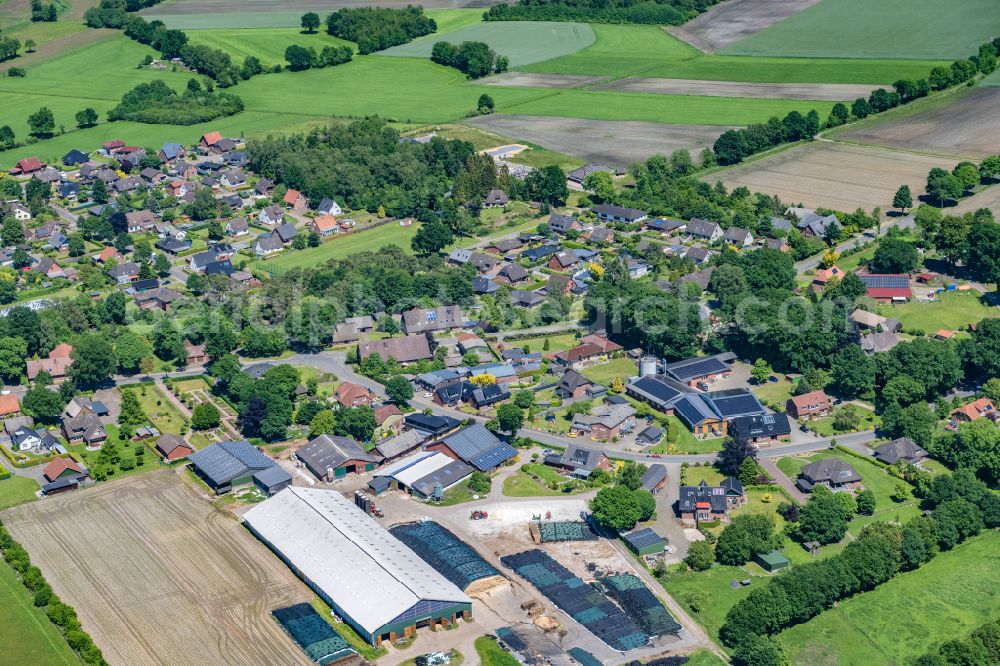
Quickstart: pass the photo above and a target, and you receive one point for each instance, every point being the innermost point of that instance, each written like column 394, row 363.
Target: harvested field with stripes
column 729, row 22
column 832, row 175
column 833, row 92
column 158, row 576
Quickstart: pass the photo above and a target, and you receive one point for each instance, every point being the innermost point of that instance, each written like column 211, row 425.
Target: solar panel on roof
column 657, row 389
column 700, row 368
column 688, row 411
column 886, row 281
column 644, row 537
column 734, row 405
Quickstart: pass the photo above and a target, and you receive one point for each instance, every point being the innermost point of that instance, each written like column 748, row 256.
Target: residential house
column 573, row 385
column 975, row 410
column 28, row 165
column 406, row 349
column 580, row 174
column 156, row 298
column 579, row 461
column 833, row 473
column 864, row 320
column 170, row 152
column 760, row 428
column 350, row 329
column 443, row 318
column 665, row 226
column 353, row 395
column 264, row 187
column 562, row 224
column 738, row 237
column 482, row 285
column 430, row 425
column 194, row 354
column 49, row 268
column 125, row 273
column 84, row 427
column 153, row 176
column 540, row 253
column 209, row 140
column 811, row 223
column 140, row 221
column 233, row 178
column 606, row 423
column 513, row 274
column 823, row 276
column 612, row 213
column 271, row 216
column 526, row 299
column 592, row 348
column 698, row 255
column 328, row 207
column 330, row 457
column 495, row 199
column 504, row 246
column 471, row 342
column 68, row 190
column 295, row 201
column 268, row 245
column 777, row 244
column 286, row 232
column 704, row 230
column 172, row 245
column 654, row 479
column 564, row 260
column 704, row 503
column 901, row 450
column 173, row 447
column 75, row 157
column 62, row 468
column 601, row 236
column 810, row 405
column 875, row 343
column 237, row 226
column 325, row 225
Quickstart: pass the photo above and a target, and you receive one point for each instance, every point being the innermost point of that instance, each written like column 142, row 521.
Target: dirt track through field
column 528, row 80
column 614, row 143
column 967, row 127
column 838, row 176
column 833, row 92
column 729, row 22
column 158, row 576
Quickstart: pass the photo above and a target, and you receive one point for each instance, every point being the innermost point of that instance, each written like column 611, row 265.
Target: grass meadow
column 343, row 246
column 266, row 44
column 951, row 310
column 917, row 29
column 26, row 634
column 946, row 598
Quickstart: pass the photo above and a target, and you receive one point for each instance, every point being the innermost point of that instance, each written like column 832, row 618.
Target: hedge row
column 60, row 614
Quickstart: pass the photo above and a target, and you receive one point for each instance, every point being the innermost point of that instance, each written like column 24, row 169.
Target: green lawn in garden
column 26, row 634
column 708, row 595
column 704, row 658
column 520, row 484
column 951, row 310
column 339, row 247
column 824, row 426
column 774, row 393
column 694, row 475
column 605, row 373
column 16, row 490
column 874, row 478
column 917, row 29
column 522, row 42
column 902, row 619
column 160, row 410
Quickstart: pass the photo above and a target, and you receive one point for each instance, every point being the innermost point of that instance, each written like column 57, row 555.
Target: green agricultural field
column 338, row 248
column 523, row 42
column 268, row 44
column 952, row 310
column 26, row 634
column 946, row 598
column 918, row 29
column 648, row 51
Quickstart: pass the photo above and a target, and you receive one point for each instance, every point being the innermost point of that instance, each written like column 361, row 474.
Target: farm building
column 654, row 478
column 644, row 542
column 378, row 585
column 887, row 288
column 422, row 474
column 172, row 447
column 691, row 371
column 226, row 466
column 331, row 457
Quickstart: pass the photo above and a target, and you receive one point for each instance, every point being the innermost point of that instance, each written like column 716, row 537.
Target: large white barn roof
column 369, row 573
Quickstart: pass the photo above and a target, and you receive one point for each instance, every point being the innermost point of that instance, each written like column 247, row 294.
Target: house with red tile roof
column 9, row 404
column 210, row 139
column 808, row 405
column 325, row 225
column 61, row 467
column 295, row 200
column 27, row 165
column 975, row 410
column 353, row 395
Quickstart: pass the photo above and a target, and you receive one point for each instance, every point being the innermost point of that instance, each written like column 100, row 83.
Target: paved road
column 810, row 263
column 769, row 466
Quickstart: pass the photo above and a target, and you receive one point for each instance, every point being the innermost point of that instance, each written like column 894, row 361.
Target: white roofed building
column 377, row 584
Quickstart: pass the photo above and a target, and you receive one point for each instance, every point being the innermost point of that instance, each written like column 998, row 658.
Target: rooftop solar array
column 312, row 633
column 585, row 604
column 735, row 403
column 445, row 552
column 687, row 370
column 640, row 604
column 557, row 531
column 692, row 410
column 643, row 538
column 656, row 388
column 886, row 281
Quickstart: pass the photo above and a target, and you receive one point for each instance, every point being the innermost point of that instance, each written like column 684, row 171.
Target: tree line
column 733, row 146
column 646, row 12
column 378, row 28
column 961, row 507
column 157, row 103
column 979, row 648
column 474, row 59
column 300, row 58
column 944, row 186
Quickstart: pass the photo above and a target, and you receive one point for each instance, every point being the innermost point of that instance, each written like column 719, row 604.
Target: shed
column 644, row 542
column 771, row 562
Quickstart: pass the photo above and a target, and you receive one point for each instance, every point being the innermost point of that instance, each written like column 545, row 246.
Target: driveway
column 782, row 480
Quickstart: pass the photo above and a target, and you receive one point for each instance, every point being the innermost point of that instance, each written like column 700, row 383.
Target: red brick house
column 353, row 395
column 808, row 405
column 295, row 200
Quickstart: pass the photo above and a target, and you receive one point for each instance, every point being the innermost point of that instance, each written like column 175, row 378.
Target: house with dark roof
column 705, row 503
column 738, row 237
column 513, row 274
column 520, row 298
column 504, row 246
column 495, row 199
column 173, row 447
column 834, row 473
column 902, row 450
column 573, row 385
column 579, row 461
column 709, row 414
column 887, row 288
column 84, row 427
column 665, row 225
column 580, row 174
column 654, row 478
column 757, row 428
column 563, row 260
column 330, row 457
column 562, row 224
column 649, row 435
column 605, row 423
column 476, row 446
column 171, row 151
column 430, row 425
column 612, row 213
column 74, row 157
column 227, row 466
column 157, row 298
column 703, row 230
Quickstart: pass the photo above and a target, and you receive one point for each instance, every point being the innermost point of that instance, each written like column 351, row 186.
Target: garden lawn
column 266, row 44
column 520, row 484
column 26, row 634
column 605, row 373
column 824, row 426
column 774, row 393
column 946, row 598
column 704, row 658
column 371, row 240
column 523, row 42
column 164, row 416
column 16, row 490
column 873, row 477
column 951, row 310
column 707, row 473
column 917, row 29
column 708, row 595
